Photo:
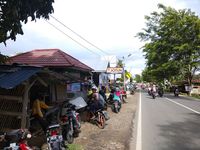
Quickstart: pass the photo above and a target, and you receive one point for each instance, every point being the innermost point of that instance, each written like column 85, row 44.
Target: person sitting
column 117, row 96
column 96, row 102
column 103, row 92
column 38, row 106
column 154, row 89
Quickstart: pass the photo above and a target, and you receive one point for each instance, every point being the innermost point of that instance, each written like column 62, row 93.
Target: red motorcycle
column 16, row 140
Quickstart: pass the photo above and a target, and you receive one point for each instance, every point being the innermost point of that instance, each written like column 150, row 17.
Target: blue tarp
column 10, row 77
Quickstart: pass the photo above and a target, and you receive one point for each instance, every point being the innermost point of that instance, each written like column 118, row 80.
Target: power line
column 79, row 35
column 72, row 38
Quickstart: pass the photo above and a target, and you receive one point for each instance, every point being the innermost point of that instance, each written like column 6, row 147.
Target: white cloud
column 111, row 25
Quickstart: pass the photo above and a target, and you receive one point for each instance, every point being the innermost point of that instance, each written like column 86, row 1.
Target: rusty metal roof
column 49, row 58
column 11, row 76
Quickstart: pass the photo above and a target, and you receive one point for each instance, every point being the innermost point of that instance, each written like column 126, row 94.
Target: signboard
column 74, row 87
column 114, row 70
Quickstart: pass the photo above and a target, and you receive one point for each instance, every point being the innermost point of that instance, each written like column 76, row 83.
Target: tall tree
column 138, row 78
column 14, row 12
column 172, row 46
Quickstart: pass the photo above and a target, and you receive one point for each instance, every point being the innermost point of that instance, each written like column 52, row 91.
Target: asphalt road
column 168, row 123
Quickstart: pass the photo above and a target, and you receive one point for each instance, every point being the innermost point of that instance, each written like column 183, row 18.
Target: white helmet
column 94, row 87
column 117, row 89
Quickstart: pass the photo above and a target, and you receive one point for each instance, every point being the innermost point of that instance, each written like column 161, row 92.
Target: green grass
column 74, row 147
column 196, row 96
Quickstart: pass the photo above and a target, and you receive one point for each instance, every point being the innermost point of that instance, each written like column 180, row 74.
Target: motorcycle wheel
column 101, row 121
column 68, row 135
column 116, row 109
column 55, row 146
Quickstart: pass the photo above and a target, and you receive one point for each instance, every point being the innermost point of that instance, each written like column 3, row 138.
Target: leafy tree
column 14, row 12
column 138, row 78
column 3, row 59
column 172, row 48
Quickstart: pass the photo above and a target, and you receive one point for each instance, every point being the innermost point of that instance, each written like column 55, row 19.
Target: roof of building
column 11, row 76
column 49, row 58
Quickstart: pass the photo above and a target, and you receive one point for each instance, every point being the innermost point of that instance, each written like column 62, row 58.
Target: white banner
column 114, row 70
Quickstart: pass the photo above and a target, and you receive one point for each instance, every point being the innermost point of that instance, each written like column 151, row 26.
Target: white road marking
column 139, row 127
column 183, row 106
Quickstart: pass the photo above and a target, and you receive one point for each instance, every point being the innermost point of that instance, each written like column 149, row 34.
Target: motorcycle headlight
column 29, row 135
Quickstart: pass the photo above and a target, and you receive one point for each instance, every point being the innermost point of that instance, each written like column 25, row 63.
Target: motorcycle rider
column 96, row 101
column 149, row 90
column 153, row 90
column 117, row 96
column 160, row 91
column 176, row 91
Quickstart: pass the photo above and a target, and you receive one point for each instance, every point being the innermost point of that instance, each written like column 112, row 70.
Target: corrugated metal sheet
column 11, row 76
column 49, row 58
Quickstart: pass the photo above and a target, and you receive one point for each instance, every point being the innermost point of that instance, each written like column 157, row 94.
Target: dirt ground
column 115, row 136
column 117, row 133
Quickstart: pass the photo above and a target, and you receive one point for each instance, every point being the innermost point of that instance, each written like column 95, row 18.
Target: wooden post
column 25, row 105
column 25, row 102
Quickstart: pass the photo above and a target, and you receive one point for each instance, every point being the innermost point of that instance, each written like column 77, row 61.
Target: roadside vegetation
column 172, row 45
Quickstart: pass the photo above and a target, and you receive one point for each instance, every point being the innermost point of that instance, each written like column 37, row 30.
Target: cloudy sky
column 94, row 31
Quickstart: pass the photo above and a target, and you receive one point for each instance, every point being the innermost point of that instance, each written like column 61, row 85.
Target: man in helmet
column 96, row 100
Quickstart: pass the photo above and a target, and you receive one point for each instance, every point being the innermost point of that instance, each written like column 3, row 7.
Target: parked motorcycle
column 132, row 91
column 54, row 131
column 54, row 138
column 109, row 100
column 116, row 106
column 70, row 122
column 16, row 140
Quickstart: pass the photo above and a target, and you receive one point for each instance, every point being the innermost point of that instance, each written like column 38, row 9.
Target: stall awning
column 11, row 76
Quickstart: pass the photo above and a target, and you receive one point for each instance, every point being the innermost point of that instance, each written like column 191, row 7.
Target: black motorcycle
column 109, row 100
column 70, row 122
column 153, row 94
column 116, row 106
column 160, row 92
